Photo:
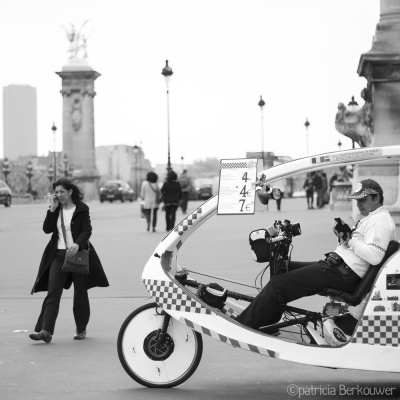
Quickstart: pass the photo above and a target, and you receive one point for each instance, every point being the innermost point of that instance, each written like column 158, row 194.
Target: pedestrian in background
column 67, row 198
column 150, row 194
column 309, row 188
column 186, row 185
column 171, row 194
column 281, row 186
column 319, row 187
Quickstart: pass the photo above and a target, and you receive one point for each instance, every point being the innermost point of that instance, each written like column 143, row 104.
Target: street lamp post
column 6, row 168
column 66, row 163
column 167, row 72
column 339, row 144
column 50, row 175
column 136, row 152
column 29, row 174
column 261, row 103
column 54, row 129
column 353, row 108
column 307, row 124
column 182, row 165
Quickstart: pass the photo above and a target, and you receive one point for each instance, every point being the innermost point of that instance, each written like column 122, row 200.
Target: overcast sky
column 300, row 55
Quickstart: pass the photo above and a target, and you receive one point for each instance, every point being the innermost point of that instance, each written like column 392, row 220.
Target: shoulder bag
column 79, row 262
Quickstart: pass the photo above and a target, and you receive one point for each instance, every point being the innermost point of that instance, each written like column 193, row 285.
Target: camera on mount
column 288, row 229
column 265, row 243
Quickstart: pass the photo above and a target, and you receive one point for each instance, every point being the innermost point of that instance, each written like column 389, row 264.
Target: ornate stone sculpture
column 76, row 114
column 78, row 41
column 357, row 125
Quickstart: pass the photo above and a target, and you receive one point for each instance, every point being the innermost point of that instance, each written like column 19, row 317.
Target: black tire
column 123, row 198
column 8, row 201
column 168, row 367
column 101, row 200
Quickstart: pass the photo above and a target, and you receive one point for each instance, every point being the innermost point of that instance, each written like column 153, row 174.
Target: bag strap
column 155, row 191
column 63, row 227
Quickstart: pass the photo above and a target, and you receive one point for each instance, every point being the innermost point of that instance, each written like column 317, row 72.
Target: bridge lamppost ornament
column 353, row 108
column 29, row 174
column 6, row 168
column 307, row 124
column 261, row 103
column 54, row 129
column 167, row 72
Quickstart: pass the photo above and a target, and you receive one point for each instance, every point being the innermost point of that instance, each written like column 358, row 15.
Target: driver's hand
column 341, row 236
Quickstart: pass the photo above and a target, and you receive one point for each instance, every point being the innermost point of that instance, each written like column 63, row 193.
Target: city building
column 19, row 121
column 124, row 162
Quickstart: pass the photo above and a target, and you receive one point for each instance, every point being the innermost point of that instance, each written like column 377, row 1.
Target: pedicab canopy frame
column 375, row 341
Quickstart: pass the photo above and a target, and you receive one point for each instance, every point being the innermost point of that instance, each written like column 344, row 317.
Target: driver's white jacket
column 369, row 241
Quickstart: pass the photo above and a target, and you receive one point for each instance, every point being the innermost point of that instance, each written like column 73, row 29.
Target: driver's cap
column 365, row 188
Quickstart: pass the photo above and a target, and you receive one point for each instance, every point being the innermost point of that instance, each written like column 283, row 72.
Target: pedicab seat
column 365, row 285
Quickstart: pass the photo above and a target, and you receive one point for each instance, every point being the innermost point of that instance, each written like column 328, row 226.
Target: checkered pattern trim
column 382, row 330
column 227, row 340
column 189, row 221
column 236, row 165
column 171, row 297
column 364, row 193
column 229, row 311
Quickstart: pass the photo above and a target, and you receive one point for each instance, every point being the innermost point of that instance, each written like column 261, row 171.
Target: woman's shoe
column 80, row 335
column 42, row 335
column 154, row 230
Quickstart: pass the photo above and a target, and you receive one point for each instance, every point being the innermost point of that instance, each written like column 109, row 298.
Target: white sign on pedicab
column 237, row 183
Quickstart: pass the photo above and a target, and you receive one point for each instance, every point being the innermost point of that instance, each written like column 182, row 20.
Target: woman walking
column 171, row 194
column 67, row 198
column 150, row 194
column 309, row 187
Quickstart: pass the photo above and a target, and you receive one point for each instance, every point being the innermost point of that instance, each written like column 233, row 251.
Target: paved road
column 90, row 369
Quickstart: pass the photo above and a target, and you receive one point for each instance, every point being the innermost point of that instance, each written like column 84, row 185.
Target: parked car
column 5, row 194
column 116, row 190
column 204, row 192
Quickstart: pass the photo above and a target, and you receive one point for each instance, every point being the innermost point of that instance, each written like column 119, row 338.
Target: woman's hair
column 152, row 177
column 172, row 176
column 77, row 192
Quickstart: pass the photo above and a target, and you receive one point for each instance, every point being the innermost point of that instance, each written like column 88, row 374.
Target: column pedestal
column 381, row 67
column 78, row 123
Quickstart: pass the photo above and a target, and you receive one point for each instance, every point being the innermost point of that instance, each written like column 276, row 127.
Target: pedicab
column 160, row 343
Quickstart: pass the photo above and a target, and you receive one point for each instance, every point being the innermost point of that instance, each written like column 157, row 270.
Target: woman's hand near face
column 54, row 202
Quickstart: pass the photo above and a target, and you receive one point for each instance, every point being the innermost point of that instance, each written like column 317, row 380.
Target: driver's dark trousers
column 308, row 280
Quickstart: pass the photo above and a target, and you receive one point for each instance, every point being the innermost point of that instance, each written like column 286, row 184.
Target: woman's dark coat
column 171, row 193
column 81, row 230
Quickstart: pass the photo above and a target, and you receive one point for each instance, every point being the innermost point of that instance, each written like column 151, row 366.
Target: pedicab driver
column 342, row 269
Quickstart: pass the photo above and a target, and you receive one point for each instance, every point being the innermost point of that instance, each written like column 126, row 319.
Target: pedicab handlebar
column 213, row 288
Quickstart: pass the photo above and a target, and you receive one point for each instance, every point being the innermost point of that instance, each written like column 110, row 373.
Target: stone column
column 78, row 123
column 381, row 67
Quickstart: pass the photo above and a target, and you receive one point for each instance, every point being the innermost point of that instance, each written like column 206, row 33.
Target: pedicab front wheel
column 152, row 365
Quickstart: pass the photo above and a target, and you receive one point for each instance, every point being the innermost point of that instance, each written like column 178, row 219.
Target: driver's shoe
column 42, row 335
